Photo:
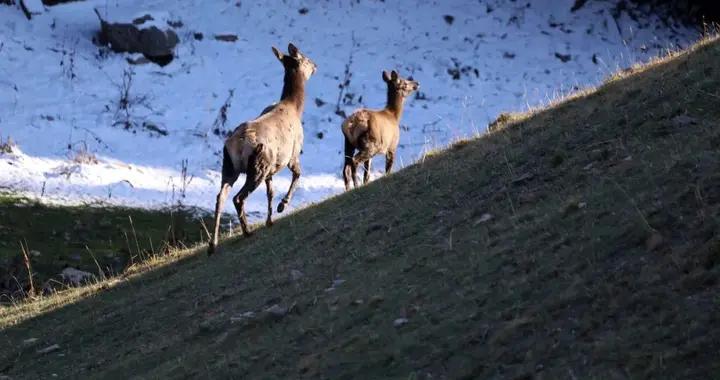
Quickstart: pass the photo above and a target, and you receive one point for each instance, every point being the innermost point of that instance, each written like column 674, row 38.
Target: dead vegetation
column 7, row 145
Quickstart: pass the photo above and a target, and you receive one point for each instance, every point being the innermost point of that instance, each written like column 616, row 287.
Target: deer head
column 403, row 87
column 295, row 61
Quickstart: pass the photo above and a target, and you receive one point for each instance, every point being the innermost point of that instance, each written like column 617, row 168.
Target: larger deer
column 262, row 147
column 375, row 132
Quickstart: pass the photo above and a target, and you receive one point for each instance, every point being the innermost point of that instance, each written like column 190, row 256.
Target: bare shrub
column 80, row 154
column 128, row 102
column 6, row 147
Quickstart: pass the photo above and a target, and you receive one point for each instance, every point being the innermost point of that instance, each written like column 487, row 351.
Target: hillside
column 579, row 241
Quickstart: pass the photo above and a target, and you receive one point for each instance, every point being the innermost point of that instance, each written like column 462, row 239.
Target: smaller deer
column 374, row 132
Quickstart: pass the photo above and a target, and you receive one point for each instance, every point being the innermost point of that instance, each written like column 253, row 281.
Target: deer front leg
column 389, row 159
column 296, row 171
column 268, row 187
column 366, row 176
column 221, row 197
column 348, row 165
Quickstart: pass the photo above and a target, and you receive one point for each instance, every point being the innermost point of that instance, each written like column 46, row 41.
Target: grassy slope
column 61, row 234
column 601, row 261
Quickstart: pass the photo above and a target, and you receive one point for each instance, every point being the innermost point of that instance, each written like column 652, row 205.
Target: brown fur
column 374, row 132
column 263, row 146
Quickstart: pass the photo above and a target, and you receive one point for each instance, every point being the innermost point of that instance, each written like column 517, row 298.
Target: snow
column 59, row 93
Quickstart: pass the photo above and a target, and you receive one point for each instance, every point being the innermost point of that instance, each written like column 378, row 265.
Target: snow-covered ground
column 59, row 94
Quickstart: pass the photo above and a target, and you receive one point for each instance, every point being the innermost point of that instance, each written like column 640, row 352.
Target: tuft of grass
column 580, row 241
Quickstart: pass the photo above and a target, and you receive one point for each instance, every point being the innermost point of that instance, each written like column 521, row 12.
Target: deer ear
column 394, row 75
column 386, row 76
column 293, row 50
column 277, row 53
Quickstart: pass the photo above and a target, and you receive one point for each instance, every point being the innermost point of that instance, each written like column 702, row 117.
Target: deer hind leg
column 256, row 173
column 229, row 176
column 389, row 159
column 365, row 153
column 219, row 203
column 270, row 193
column 366, row 176
column 348, row 168
column 252, row 181
column 296, row 171
column 362, row 156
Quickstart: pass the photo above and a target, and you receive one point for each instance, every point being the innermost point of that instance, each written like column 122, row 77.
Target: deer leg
column 229, row 176
column 389, row 159
column 268, row 187
column 348, row 168
column 219, row 203
column 366, row 176
column 295, row 169
column 252, row 181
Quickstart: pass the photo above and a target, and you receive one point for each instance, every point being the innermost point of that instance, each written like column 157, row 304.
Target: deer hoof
column 268, row 223
column 211, row 249
column 281, row 206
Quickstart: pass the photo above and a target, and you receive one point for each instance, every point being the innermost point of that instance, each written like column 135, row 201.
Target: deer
column 374, row 132
column 260, row 148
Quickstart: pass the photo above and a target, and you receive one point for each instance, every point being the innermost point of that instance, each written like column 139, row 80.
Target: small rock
column 449, row 19
column 684, row 120
column 276, row 311
column 337, row 283
column 75, row 276
column 296, row 275
column 29, row 341
column 486, row 217
column 226, row 37
column 582, row 205
column 49, row 349
column 246, row 316
column 654, row 241
column 303, row 11
column 400, row 322
column 357, row 302
column 198, row 36
column 376, row 300
column 563, row 57
column 524, row 177
column 175, row 23
column 34, row 253
column 319, row 102
column 141, row 20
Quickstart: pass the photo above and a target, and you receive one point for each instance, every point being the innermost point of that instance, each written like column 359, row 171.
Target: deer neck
column 395, row 103
column 293, row 91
